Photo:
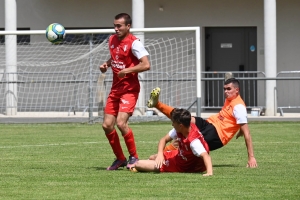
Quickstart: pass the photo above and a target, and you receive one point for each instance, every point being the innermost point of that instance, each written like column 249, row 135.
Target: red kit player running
column 128, row 58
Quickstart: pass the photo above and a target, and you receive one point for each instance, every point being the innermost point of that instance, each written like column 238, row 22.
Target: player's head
column 122, row 24
column 231, row 88
column 180, row 117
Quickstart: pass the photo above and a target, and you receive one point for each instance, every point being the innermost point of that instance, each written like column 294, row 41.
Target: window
column 84, row 39
column 21, row 39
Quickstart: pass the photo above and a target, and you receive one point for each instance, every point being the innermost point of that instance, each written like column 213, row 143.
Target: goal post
column 64, row 81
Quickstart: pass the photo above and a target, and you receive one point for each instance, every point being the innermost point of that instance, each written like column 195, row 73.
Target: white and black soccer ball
column 55, row 33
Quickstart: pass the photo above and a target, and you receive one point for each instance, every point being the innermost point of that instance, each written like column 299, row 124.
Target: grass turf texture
column 68, row 161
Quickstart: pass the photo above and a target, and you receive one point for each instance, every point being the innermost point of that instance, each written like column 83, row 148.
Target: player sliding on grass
column 191, row 154
column 220, row 128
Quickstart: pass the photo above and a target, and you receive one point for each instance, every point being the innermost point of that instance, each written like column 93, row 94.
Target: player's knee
column 121, row 125
column 152, row 157
column 107, row 127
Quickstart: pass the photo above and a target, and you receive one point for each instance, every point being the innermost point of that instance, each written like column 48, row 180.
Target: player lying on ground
column 220, row 128
column 192, row 154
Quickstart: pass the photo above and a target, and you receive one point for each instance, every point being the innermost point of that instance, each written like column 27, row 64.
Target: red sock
column 114, row 142
column 129, row 141
column 164, row 108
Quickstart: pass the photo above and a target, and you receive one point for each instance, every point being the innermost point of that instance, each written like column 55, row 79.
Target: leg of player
column 114, row 141
column 145, row 166
column 154, row 102
column 165, row 109
column 154, row 95
column 122, row 124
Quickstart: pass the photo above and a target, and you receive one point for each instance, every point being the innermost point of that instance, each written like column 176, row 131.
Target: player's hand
column 121, row 74
column 159, row 161
column 207, row 174
column 103, row 67
column 251, row 163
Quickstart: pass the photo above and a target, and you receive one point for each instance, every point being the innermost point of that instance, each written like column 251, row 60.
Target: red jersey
column 186, row 160
column 121, row 58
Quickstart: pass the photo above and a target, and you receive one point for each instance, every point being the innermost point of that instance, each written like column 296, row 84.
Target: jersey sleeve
column 138, row 49
column 240, row 114
column 173, row 134
column 197, row 147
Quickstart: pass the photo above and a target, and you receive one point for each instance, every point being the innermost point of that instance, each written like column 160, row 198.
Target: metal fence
column 288, row 91
column 86, row 93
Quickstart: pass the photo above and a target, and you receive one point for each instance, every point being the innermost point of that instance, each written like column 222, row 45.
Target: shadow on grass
column 121, row 168
column 102, row 168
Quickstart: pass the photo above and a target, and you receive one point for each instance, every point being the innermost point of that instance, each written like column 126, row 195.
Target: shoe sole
column 154, row 95
column 133, row 169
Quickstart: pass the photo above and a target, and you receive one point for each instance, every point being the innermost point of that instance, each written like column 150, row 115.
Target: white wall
column 208, row 13
column 37, row 14
column 288, row 35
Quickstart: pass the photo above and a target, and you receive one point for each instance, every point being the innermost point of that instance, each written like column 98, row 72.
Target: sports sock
column 129, row 141
column 164, row 108
column 114, row 142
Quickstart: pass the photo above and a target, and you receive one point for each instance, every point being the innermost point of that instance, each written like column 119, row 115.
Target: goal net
column 40, row 81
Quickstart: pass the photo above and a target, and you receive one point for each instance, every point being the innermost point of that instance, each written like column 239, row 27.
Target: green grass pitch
column 68, row 161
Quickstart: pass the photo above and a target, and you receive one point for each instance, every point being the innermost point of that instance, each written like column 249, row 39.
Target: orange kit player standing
column 128, row 58
column 220, row 128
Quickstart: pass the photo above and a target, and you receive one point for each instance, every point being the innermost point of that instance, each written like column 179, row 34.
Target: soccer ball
column 55, row 33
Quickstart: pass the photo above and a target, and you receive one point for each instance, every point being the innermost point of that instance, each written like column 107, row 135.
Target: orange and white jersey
column 228, row 121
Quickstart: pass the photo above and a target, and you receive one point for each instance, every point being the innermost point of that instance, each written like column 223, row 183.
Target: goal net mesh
column 64, row 82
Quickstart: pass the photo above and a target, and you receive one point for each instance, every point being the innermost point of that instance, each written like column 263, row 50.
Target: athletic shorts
column 121, row 103
column 172, row 165
column 209, row 133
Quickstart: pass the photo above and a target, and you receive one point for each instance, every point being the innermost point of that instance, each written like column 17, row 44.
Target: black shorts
column 209, row 133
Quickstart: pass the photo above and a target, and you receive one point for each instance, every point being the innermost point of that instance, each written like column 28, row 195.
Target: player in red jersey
column 128, row 58
column 192, row 153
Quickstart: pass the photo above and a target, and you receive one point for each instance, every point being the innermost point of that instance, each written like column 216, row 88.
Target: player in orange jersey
column 191, row 156
column 220, row 128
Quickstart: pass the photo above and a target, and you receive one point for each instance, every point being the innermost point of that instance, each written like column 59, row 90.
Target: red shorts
column 170, row 160
column 172, row 165
column 121, row 103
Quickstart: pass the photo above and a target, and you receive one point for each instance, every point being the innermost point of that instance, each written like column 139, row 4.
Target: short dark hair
column 234, row 81
column 181, row 116
column 126, row 17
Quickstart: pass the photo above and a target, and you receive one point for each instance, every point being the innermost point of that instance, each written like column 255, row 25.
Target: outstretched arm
column 207, row 161
column 199, row 151
column 154, row 163
column 160, row 159
column 244, row 131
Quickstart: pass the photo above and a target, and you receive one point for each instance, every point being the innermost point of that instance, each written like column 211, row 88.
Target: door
column 230, row 49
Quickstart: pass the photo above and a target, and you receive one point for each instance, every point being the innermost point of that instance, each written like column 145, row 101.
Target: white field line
column 66, row 144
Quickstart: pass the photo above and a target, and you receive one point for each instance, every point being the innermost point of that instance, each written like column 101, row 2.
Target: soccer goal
column 63, row 82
